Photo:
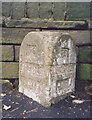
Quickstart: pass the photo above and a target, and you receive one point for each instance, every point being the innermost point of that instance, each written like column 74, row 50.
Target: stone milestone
column 47, row 66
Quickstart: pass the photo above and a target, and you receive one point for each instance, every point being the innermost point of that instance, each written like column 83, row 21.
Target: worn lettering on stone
column 47, row 66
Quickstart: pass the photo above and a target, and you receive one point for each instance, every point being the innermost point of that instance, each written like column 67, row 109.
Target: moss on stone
column 13, row 35
column 36, row 23
column 7, row 53
column 85, row 72
column 10, row 70
column 85, row 54
column 6, row 84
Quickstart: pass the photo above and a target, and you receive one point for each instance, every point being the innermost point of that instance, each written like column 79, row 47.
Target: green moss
column 85, row 72
column 10, row 70
column 14, row 36
column 75, row 10
column 6, row 83
column 7, row 52
column 85, row 54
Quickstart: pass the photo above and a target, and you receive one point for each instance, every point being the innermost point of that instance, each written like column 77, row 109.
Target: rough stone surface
column 15, row 36
column 17, row 49
column 46, row 23
column 10, row 70
column 18, row 11
column 76, row 10
column 47, row 66
column 7, row 53
column 33, row 10
column 85, row 72
column 45, row 10
column 81, row 37
column 85, row 54
column 6, row 84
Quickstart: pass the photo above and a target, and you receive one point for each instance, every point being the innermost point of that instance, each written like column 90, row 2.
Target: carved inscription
column 47, row 66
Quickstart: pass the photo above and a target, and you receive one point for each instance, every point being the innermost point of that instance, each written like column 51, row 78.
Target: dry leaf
column 72, row 96
column 3, row 94
column 6, row 107
column 78, row 101
column 16, row 103
column 34, row 110
column 14, row 109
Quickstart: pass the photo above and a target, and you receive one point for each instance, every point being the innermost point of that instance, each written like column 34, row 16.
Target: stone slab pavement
column 24, row 107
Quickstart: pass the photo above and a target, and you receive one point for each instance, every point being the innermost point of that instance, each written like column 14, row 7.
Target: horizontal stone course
column 75, row 10
column 47, row 23
column 13, row 36
column 10, row 70
column 7, row 53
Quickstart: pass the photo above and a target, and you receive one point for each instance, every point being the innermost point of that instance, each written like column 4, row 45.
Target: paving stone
column 24, row 107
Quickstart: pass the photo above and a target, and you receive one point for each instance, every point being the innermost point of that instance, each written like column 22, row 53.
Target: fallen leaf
column 58, row 113
column 24, row 111
column 66, row 100
column 34, row 110
column 72, row 96
column 18, row 96
column 14, row 109
column 6, row 107
column 3, row 94
column 78, row 101
column 30, row 102
column 16, row 103
column 89, row 93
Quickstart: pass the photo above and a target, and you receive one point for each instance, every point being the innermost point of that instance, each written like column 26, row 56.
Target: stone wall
column 12, row 39
column 47, row 10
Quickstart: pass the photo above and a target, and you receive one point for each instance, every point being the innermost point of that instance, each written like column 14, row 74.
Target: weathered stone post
column 47, row 66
